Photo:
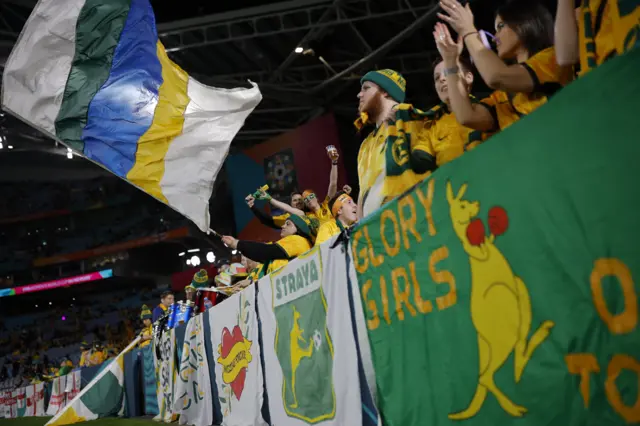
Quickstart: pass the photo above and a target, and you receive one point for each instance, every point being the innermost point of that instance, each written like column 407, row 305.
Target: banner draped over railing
column 504, row 286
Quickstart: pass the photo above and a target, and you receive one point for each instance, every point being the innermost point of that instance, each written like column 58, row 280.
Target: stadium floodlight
column 181, row 254
column 10, row 146
column 211, row 257
column 195, row 261
column 299, row 49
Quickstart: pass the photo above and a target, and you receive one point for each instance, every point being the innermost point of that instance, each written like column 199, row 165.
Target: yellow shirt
column 324, row 214
column 445, row 139
column 548, row 78
column 606, row 28
column 84, row 359
column 326, row 231
column 375, row 160
column 97, row 358
column 147, row 331
column 294, row 246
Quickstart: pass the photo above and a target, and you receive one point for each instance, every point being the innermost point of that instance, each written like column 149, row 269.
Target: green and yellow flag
column 102, row 397
column 504, row 289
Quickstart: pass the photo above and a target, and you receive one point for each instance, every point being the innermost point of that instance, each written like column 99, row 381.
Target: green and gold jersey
column 607, row 28
column 384, row 169
column 548, row 78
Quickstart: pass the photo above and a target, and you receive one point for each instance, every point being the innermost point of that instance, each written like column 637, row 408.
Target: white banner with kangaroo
column 309, row 350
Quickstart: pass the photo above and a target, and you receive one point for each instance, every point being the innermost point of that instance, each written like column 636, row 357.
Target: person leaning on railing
column 298, row 234
column 524, row 35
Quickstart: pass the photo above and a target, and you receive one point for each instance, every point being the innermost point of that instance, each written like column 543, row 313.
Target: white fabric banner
column 309, row 350
column 72, row 385
column 165, row 375
column 234, row 340
column 58, row 397
column 193, row 400
column 7, row 404
column 35, row 400
column 21, row 404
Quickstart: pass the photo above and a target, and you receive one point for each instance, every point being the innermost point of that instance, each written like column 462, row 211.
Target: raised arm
column 474, row 116
column 263, row 195
column 566, row 34
column 333, row 176
column 495, row 73
column 285, row 207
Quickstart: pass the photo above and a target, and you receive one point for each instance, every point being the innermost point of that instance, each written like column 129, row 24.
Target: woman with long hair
column 524, row 73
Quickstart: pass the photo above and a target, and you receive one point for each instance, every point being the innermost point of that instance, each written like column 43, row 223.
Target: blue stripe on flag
column 122, row 110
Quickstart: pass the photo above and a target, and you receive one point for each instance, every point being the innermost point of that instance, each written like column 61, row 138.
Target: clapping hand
column 459, row 17
column 449, row 49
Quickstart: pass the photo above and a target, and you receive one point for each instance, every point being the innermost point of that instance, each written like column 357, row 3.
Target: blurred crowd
column 45, row 345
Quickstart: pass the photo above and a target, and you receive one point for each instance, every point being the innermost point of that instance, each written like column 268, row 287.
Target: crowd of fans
column 44, row 346
column 405, row 144
column 534, row 58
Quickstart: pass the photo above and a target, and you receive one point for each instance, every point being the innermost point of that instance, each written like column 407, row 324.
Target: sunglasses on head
column 309, row 197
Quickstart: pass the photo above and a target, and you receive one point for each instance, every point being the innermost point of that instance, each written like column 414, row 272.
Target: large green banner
column 503, row 289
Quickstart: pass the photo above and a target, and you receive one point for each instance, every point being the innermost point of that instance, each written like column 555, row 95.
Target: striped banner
column 94, row 75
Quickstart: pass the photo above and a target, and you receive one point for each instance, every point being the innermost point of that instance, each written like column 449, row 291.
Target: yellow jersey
column 147, row 331
column 446, row 139
column 548, row 77
column 384, row 164
column 323, row 214
column 98, row 357
column 328, row 230
column 84, row 359
column 606, row 29
column 294, row 246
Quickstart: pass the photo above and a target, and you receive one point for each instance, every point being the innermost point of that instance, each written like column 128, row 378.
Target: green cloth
column 514, row 272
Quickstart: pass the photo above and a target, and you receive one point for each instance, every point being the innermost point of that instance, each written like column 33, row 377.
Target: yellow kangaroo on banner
column 297, row 352
column 500, row 304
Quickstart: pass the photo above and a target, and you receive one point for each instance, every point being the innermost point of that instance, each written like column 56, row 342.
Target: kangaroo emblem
column 298, row 352
column 500, row 304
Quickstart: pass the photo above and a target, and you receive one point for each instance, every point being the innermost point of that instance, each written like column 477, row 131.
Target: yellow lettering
column 443, row 277
column 627, row 320
column 390, row 215
column 583, row 364
column 424, row 306
column 618, row 363
column 376, row 260
column 427, row 202
column 385, row 300
column 372, row 324
column 408, row 224
column 360, row 267
column 401, row 297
